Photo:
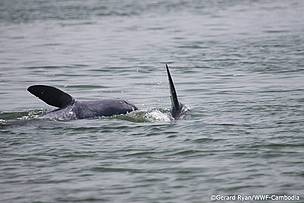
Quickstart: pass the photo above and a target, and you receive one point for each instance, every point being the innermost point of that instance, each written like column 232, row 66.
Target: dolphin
column 177, row 108
column 69, row 108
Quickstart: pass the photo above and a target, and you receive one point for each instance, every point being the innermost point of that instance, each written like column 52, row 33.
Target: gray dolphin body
column 70, row 109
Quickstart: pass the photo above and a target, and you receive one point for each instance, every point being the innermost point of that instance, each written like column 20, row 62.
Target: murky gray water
column 238, row 65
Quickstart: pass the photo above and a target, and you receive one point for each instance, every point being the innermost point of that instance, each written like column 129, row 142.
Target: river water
column 237, row 65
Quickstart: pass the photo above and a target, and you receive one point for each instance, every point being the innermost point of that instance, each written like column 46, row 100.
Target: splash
column 157, row 115
column 13, row 118
column 153, row 115
column 141, row 116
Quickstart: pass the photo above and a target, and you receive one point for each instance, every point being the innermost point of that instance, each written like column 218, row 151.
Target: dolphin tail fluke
column 176, row 107
column 51, row 95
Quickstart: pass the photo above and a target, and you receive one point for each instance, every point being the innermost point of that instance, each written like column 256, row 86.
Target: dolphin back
column 176, row 107
column 51, row 95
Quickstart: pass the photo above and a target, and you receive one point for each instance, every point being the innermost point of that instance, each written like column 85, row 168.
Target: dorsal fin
column 51, row 95
column 176, row 106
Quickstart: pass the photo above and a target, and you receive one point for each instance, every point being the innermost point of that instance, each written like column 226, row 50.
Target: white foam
column 156, row 115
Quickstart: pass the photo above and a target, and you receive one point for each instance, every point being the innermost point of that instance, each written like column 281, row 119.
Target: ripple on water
column 238, row 64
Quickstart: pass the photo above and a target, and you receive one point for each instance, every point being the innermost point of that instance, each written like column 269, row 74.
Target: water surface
column 237, row 64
